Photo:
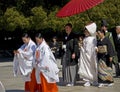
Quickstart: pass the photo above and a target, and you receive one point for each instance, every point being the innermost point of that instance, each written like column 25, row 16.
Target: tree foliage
column 13, row 19
column 41, row 14
column 38, row 20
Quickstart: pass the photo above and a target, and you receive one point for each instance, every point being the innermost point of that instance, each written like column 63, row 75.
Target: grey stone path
column 16, row 84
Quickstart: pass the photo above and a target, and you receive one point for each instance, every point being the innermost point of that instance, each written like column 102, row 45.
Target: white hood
column 92, row 28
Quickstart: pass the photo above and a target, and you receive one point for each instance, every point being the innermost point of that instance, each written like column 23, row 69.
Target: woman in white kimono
column 88, row 60
column 23, row 63
column 46, row 67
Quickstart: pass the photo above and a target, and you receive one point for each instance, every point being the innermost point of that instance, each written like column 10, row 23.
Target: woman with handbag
column 105, row 56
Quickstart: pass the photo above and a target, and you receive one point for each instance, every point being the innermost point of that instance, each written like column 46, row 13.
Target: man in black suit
column 117, row 44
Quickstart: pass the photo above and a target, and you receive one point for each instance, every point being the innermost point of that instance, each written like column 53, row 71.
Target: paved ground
column 13, row 84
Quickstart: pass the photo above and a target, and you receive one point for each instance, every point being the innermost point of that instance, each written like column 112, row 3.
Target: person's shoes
column 107, row 85
column 111, row 84
column 87, row 84
column 72, row 84
column 69, row 85
column 101, row 85
column 95, row 83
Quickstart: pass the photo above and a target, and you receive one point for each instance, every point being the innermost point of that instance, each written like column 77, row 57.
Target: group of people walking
column 90, row 58
column 37, row 65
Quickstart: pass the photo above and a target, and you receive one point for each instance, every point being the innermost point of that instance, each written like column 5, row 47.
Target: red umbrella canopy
column 77, row 6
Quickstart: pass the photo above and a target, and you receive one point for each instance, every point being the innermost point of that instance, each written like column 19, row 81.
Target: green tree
column 1, row 22
column 30, row 15
column 39, row 19
column 13, row 19
column 57, row 24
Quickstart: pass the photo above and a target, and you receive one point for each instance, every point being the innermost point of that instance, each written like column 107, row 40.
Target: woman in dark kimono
column 105, row 56
column 54, row 46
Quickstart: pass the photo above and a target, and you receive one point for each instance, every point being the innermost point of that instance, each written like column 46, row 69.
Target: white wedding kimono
column 88, row 59
column 23, row 61
column 46, row 64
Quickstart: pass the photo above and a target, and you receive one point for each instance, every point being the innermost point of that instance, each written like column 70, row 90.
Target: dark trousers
column 117, row 69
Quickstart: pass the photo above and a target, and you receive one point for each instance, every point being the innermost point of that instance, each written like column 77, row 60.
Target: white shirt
column 118, row 36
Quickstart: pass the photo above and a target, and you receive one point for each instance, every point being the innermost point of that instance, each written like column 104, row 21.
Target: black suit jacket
column 117, row 46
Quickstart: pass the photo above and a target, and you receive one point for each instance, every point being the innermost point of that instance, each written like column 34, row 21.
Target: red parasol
column 77, row 6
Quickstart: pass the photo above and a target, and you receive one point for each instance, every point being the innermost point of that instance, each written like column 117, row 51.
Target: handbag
column 102, row 49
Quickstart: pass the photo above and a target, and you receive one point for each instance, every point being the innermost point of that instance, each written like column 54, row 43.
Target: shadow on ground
column 14, row 90
column 6, row 59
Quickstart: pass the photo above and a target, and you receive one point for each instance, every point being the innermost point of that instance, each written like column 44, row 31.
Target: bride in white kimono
column 88, row 59
column 46, row 67
column 23, row 60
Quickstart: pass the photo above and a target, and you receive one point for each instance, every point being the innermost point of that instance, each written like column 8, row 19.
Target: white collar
column 106, row 31
column 42, row 44
column 29, row 42
column 118, row 35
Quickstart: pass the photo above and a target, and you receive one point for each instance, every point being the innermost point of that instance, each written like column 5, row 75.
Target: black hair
column 102, row 31
column 104, row 26
column 81, row 35
column 84, row 29
column 55, row 37
column 39, row 35
column 26, row 35
column 69, row 24
column 104, row 23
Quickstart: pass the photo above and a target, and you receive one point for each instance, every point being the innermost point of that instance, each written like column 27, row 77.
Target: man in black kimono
column 117, row 44
column 71, row 55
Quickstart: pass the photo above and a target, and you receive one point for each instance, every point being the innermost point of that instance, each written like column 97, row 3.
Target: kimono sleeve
column 29, row 52
column 110, row 48
column 76, row 47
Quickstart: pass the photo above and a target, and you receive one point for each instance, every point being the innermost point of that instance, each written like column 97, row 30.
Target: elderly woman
column 105, row 58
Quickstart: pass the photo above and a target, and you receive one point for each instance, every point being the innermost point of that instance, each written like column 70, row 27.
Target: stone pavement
column 16, row 84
